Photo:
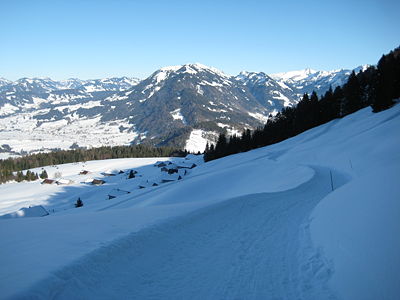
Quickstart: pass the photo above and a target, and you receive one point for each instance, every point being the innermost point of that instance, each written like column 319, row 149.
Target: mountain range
column 183, row 106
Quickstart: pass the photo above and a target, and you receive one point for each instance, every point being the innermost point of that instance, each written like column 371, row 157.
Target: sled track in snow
column 252, row 247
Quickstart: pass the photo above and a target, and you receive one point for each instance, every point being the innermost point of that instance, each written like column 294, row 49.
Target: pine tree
column 20, row 176
column 387, row 81
column 44, row 175
column 338, row 98
column 327, row 106
column 352, row 95
column 207, row 148
column 221, row 146
column 314, row 111
column 79, row 203
column 246, row 140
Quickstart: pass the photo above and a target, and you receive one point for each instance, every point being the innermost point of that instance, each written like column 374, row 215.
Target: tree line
column 11, row 168
column 376, row 86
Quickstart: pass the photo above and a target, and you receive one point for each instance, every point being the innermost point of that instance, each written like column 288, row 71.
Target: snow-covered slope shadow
column 248, row 247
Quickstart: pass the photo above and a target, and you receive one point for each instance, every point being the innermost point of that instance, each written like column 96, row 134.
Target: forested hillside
column 377, row 87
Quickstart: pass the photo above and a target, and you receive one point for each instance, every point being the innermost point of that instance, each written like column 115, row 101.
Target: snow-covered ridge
column 308, row 80
column 45, row 85
column 310, row 74
column 294, row 75
column 4, row 81
column 258, row 77
column 190, row 68
column 193, row 68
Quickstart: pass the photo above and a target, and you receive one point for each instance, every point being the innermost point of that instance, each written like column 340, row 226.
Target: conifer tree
column 220, row 147
column 20, row 176
column 131, row 174
column 79, row 203
column 44, row 175
column 314, row 111
column 352, row 95
column 387, row 81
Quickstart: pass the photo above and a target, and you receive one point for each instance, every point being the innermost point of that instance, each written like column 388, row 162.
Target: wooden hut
column 48, row 181
column 98, row 182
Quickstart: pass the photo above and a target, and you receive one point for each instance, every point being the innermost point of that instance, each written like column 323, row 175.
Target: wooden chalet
column 48, row 181
column 98, row 182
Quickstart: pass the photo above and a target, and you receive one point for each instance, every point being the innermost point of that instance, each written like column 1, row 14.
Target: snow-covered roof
column 27, row 212
column 171, row 177
column 64, row 181
column 118, row 192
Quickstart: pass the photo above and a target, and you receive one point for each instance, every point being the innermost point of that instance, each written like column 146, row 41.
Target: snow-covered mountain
column 186, row 98
column 313, row 217
column 308, row 80
column 47, row 85
column 109, row 84
column 4, row 81
column 267, row 90
column 183, row 106
column 27, row 85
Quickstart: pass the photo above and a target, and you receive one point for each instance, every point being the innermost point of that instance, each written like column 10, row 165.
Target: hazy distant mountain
column 4, row 82
column 308, row 80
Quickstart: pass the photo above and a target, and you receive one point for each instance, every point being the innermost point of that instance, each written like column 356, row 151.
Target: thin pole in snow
column 351, row 164
column 331, row 180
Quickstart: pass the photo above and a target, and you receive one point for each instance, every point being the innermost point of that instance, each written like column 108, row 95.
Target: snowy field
column 314, row 217
column 21, row 133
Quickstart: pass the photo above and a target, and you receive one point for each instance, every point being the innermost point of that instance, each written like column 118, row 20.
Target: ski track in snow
column 244, row 247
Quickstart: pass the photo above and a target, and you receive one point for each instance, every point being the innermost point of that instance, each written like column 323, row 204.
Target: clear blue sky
column 94, row 39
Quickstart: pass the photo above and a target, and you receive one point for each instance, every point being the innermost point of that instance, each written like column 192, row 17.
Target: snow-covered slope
column 313, row 217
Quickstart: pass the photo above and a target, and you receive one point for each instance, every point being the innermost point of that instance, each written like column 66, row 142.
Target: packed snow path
column 251, row 247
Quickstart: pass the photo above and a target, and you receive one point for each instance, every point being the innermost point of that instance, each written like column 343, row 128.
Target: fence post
column 330, row 171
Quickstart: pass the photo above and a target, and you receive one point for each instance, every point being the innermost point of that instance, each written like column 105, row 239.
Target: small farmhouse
column 98, row 182
column 48, row 181
column 64, row 181
column 108, row 174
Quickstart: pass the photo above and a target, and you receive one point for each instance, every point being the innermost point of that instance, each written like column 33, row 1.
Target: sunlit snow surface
column 258, row 225
column 197, row 141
